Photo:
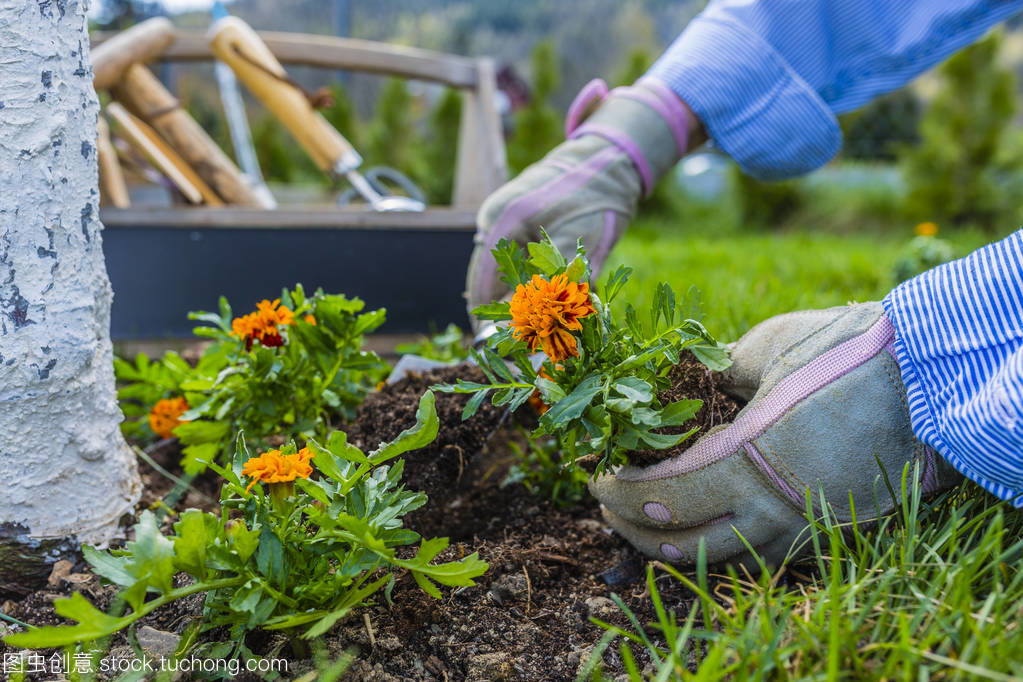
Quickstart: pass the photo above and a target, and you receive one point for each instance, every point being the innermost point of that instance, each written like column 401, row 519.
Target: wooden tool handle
column 140, row 43
column 144, row 95
column 112, row 187
column 238, row 46
column 166, row 160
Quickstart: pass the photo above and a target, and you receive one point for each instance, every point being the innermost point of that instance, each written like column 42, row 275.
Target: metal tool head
column 382, row 202
column 396, row 203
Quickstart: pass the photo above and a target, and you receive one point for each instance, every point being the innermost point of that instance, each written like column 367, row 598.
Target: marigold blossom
column 275, row 467
column 166, row 416
column 546, row 312
column 264, row 324
column 927, row 229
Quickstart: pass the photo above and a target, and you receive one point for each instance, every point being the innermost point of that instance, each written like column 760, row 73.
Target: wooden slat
column 337, row 53
column 481, row 166
column 327, row 218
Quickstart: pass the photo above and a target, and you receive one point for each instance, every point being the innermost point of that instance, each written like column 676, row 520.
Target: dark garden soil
column 691, row 379
column 527, row 618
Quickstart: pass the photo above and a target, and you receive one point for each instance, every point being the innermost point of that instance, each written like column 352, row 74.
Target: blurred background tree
column 538, row 126
column 966, row 168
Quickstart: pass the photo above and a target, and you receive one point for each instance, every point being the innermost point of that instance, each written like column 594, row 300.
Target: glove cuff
column 646, row 121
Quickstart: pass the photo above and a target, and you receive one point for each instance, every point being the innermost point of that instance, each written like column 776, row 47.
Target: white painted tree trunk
column 65, row 470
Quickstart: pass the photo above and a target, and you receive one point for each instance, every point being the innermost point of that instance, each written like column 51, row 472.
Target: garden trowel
column 238, row 46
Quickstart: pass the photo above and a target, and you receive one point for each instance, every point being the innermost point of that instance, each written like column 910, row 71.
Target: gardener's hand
column 827, row 401
column 588, row 186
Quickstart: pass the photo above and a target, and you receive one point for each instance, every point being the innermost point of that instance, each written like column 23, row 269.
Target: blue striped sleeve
column 959, row 344
column 767, row 77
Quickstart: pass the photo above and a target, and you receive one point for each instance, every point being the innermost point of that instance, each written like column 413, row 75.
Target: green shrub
column 538, row 126
column 765, row 204
column 966, row 168
column 875, row 132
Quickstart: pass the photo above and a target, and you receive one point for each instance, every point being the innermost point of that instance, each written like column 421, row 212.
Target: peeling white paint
column 65, row 470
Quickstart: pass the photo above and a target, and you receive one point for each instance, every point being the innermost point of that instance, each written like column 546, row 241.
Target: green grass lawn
column 934, row 593
column 744, row 277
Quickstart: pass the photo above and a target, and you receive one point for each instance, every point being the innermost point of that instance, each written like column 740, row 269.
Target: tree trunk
column 65, row 470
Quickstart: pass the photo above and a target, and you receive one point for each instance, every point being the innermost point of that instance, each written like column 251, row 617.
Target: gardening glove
column 826, row 401
column 587, row 187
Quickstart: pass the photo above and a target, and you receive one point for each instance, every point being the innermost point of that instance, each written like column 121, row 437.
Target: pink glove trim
column 596, row 89
column 623, row 142
column 788, row 393
column 676, row 118
column 769, row 471
column 530, row 203
column 678, row 115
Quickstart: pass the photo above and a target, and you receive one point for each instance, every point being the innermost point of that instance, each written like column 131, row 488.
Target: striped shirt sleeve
column 767, row 77
column 959, row 344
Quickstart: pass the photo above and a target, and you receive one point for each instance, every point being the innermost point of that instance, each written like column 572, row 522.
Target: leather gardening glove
column 825, row 397
column 587, row 187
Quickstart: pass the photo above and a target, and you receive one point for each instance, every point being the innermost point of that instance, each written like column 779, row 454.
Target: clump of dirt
column 690, row 379
column 440, row 469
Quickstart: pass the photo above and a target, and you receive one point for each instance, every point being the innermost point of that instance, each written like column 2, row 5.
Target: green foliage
column 342, row 115
column 537, row 125
column 966, row 168
column 604, row 400
column 439, row 148
column 766, row 204
column 300, row 389
column 297, row 561
column 391, row 138
column 637, row 63
column 921, row 254
column 934, row 592
column 447, row 346
column 539, row 467
column 280, row 158
column 876, row 132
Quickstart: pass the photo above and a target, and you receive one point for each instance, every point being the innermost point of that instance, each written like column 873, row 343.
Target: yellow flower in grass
column 166, row 416
column 264, row 324
column 546, row 312
column 926, row 230
column 275, row 467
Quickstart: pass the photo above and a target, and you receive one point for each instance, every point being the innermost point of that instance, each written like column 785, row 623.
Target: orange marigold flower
column 264, row 324
column 309, row 319
column 166, row 416
column 545, row 312
column 275, row 467
column 926, row 229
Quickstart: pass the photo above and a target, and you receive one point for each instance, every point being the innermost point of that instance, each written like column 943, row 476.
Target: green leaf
column 634, row 388
column 420, row 435
column 195, row 531
column 92, row 624
column 195, row 458
column 545, row 256
column 493, row 311
column 511, row 262
column 270, row 557
column 577, row 270
column 679, row 412
column 714, row 357
column 573, row 405
column 110, row 567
